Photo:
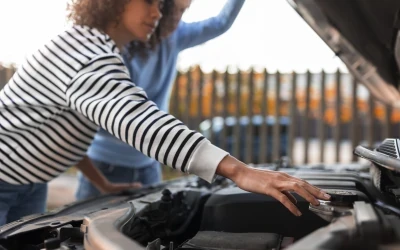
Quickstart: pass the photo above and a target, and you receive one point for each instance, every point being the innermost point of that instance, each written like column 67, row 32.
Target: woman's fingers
column 316, row 192
column 300, row 186
column 290, row 196
column 301, row 190
column 282, row 198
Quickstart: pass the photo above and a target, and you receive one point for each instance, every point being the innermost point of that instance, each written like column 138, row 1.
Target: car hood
column 365, row 35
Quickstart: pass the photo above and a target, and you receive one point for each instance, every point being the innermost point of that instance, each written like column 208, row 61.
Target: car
column 188, row 213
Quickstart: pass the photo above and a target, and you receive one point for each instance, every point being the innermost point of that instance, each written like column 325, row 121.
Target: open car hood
column 365, row 35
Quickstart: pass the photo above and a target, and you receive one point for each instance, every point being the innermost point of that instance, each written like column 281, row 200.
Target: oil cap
column 342, row 196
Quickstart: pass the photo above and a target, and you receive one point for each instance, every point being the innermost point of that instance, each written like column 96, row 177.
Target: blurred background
column 267, row 90
column 267, row 33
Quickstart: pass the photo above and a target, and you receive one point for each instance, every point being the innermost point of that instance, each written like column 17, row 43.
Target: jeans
column 17, row 201
column 118, row 174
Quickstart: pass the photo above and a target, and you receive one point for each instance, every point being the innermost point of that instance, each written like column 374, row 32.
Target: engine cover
column 234, row 210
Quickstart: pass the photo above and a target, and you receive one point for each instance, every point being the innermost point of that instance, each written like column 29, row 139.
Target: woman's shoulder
column 91, row 41
column 73, row 48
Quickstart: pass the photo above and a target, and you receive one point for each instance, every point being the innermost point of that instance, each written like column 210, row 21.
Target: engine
column 190, row 214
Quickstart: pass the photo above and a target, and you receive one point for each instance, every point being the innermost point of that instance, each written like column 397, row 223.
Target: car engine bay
column 189, row 213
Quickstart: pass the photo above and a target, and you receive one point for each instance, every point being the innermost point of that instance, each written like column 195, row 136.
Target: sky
column 267, row 34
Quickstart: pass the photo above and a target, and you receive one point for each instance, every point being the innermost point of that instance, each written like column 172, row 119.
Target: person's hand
column 272, row 183
column 100, row 181
column 118, row 187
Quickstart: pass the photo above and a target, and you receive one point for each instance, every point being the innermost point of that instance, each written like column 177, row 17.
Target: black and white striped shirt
column 53, row 105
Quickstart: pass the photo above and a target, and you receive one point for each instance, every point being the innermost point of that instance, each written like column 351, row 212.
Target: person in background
column 54, row 104
column 155, row 72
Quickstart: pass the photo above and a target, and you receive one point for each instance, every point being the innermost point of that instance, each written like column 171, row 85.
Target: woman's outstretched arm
column 102, row 91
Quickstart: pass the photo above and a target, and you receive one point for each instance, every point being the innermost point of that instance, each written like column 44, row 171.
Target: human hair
column 96, row 13
column 100, row 13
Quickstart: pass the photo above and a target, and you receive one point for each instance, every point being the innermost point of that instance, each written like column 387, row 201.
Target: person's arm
column 102, row 91
column 100, row 181
column 192, row 34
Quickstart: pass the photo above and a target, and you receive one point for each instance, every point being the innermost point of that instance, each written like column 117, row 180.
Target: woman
column 153, row 70
column 76, row 83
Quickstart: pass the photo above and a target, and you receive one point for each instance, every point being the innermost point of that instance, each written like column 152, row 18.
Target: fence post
column 200, row 100
column 213, row 100
column 174, row 106
column 321, row 122
column 277, row 125
column 237, row 124
column 225, row 110
column 337, row 113
column 188, row 98
column 263, row 152
column 293, row 115
column 306, row 118
column 249, row 128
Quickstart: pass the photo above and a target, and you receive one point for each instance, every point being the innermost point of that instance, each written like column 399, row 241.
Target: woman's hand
column 100, row 181
column 272, row 183
column 110, row 187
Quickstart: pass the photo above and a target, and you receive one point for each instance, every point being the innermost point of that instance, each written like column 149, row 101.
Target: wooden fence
column 323, row 116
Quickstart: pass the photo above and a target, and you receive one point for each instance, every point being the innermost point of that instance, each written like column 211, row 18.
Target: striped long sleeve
column 54, row 104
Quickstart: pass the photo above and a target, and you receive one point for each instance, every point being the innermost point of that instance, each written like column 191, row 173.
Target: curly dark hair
column 96, row 13
column 100, row 13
